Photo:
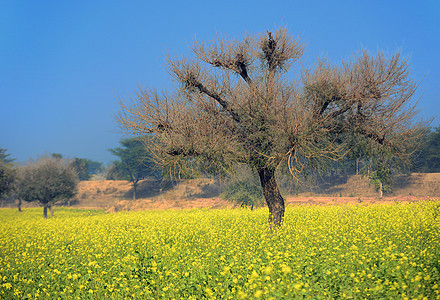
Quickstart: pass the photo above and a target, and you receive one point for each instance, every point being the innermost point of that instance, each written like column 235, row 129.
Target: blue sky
column 64, row 64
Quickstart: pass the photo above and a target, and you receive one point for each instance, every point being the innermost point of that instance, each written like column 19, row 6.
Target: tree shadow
column 151, row 188
column 330, row 184
column 189, row 189
column 407, row 180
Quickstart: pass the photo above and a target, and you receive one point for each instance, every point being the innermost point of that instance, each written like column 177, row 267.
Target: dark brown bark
column 51, row 210
column 134, row 190
column 19, row 205
column 273, row 197
column 45, row 211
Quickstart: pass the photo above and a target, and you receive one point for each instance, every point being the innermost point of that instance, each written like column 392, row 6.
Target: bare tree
column 234, row 104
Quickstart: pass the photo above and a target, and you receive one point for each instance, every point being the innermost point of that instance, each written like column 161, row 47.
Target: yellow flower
column 209, row 292
column 242, row 295
column 298, row 285
column 286, row 269
column 268, row 270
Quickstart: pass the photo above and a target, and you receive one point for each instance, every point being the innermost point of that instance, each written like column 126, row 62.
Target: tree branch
column 189, row 74
column 234, row 56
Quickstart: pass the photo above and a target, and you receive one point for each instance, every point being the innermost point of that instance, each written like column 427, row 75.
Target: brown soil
column 204, row 193
column 115, row 196
column 321, row 200
column 164, row 203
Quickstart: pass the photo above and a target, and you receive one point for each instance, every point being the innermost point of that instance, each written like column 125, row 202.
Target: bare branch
column 190, row 75
column 234, row 105
column 230, row 55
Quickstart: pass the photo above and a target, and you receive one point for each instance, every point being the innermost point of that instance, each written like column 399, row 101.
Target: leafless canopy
column 235, row 103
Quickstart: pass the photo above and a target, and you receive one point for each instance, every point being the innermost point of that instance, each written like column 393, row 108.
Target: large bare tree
column 235, row 103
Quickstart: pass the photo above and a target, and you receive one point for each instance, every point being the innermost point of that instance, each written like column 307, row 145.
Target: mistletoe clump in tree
column 235, row 104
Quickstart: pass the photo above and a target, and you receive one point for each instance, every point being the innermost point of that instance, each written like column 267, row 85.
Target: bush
column 244, row 189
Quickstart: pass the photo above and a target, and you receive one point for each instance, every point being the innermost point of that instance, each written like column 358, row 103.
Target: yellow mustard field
column 389, row 251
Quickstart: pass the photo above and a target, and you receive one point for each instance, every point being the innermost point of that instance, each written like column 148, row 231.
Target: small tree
column 428, row 157
column 382, row 180
column 243, row 188
column 135, row 162
column 234, row 105
column 47, row 180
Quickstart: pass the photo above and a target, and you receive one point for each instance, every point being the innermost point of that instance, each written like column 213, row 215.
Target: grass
column 321, row 252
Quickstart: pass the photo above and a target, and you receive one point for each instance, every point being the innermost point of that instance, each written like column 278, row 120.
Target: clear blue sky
column 63, row 64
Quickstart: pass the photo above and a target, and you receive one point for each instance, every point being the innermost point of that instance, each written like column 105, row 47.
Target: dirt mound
column 166, row 203
column 116, row 195
column 100, row 193
column 418, row 184
column 204, row 193
column 415, row 184
column 322, row 200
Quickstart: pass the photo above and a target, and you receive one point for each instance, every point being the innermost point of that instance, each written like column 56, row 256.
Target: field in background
column 322, row 252
column 205, row 193
column 116, row 195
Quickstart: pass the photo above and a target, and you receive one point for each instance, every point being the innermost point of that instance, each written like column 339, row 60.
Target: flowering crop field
column 389, row 251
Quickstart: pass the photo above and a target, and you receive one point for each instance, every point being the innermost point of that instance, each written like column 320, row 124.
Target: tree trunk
column 51, row 210
column 19, row 205
column 357, row 166
column 273, row 197
column 134, row 190
column 380, row 189
column 45, row 211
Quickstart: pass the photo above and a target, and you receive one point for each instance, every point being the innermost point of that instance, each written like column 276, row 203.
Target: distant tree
column 381, row 179
column 81, row 166
column 7, row 174
column 378, row 164
column 4, row 157
column 114, row 172
column 7, row 178
column 85, row 167
column 57, row 155
column 47, row 181
column 135, row 162
column 235, row 105
column 428, row 157
column 94, row 167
